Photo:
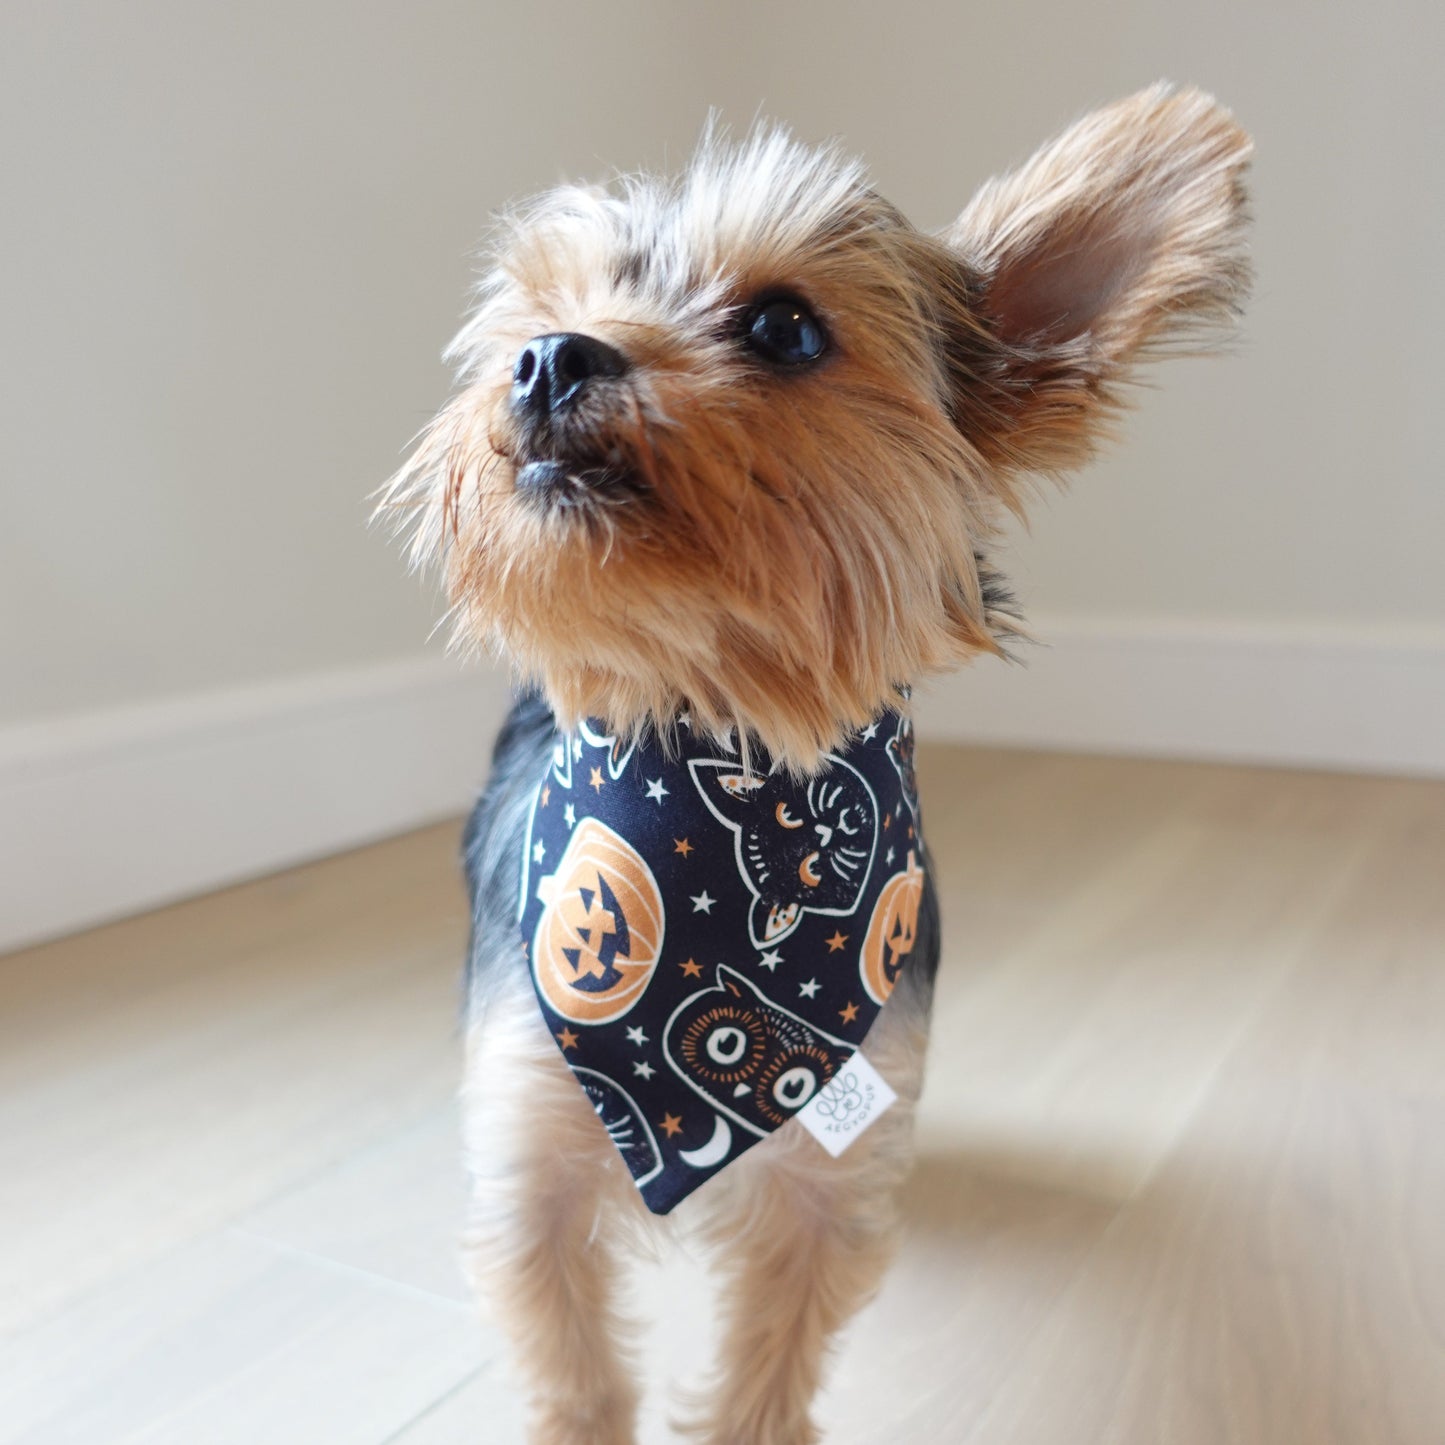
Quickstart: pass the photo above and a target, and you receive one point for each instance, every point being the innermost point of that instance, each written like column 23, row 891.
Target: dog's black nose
column 554, row 369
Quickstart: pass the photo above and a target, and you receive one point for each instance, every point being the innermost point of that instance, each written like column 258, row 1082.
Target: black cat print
column 800, row 849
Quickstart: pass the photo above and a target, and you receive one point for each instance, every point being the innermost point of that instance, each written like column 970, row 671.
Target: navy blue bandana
column 710, row 944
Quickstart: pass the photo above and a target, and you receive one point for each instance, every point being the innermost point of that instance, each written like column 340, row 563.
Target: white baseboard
column 1359, row 700
column 108, row 813
column 126, row 809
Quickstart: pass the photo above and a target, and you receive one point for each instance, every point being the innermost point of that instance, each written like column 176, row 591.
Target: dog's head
column 742, row 439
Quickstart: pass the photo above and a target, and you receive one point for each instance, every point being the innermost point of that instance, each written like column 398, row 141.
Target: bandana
column 710, row 944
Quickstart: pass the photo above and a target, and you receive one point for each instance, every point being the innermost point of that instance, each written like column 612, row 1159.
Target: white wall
column 233, row 239
column 1302, row 481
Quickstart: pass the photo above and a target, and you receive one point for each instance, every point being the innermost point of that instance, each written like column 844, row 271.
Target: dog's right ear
column 1122, row 237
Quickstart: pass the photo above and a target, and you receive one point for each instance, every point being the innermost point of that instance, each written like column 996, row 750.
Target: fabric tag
column 846, row 1105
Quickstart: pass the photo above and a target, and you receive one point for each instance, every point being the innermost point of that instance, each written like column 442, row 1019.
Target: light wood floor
column 1182, row 1173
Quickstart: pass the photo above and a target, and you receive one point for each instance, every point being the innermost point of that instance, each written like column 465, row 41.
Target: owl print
column 801, row 847
column 748, row 1056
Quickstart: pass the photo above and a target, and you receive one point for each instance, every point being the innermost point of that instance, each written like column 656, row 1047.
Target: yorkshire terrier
column 722, row 477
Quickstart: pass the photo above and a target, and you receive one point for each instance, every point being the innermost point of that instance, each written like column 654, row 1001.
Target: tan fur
column 800, row 1240
column 737, row 582
column 1123, row 238
column 788, row 551
column 803, row 1241
column 547, row 1191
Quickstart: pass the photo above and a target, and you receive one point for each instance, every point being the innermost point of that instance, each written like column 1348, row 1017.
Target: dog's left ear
column 1122, row 237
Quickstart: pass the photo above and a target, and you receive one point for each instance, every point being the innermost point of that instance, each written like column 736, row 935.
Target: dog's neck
column 684, row 729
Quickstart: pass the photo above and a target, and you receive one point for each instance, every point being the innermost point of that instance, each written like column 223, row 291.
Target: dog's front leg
column 802, row 1241
column 808, row 1248
column 548, row 1197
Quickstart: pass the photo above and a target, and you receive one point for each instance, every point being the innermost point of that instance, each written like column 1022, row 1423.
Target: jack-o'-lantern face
column 600, row 934
column 892, row 931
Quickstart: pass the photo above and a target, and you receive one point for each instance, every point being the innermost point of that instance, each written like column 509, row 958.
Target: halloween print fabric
column 710, row 943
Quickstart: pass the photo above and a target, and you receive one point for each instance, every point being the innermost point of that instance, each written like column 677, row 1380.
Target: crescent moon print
column 749, row 1057
column 714, row 1151
column 624, row 1123
column 600, row 934
column 801, row 848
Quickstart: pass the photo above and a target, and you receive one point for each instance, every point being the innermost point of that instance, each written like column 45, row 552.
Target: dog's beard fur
column 782, row 551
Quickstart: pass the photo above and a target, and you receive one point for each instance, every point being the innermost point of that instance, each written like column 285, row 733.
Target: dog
column 723, row 477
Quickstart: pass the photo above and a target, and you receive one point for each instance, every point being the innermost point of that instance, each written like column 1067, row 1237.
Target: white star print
column 684, row 719
column 643, row 1071
column 701, row 903
column 569, row 813
column 656, row 791
column 890, row 855
column 810, row 988
column 576, row 747
column 869, row 733
column 636, row 1035
column 771, row 960
column 539, row 852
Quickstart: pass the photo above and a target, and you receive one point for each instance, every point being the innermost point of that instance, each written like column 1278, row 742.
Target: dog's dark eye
column 786, row 332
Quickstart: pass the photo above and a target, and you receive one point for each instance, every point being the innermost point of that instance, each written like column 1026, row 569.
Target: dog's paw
column 602, row 1425
column 722, row 1428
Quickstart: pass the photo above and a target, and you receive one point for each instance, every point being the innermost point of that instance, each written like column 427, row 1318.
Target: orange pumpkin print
column 600, row 934
column 892, row 931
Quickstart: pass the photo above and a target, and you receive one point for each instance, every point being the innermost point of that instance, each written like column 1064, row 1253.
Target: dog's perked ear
column 1121, row 238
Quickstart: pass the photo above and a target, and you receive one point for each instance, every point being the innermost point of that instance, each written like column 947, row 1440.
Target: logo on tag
column 846, row 1105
